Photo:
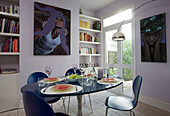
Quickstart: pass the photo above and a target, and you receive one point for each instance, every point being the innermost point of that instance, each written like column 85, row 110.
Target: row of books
column 86, row 50
column 87, row 37
column 9, row 26
column 97, row 26
column 84, row 24
column 10, row 45
column 13, row 9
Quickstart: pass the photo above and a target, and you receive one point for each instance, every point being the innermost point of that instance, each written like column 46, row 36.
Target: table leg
column 79, row 101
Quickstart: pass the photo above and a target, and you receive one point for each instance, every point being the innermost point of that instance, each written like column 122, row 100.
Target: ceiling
column 94, row 5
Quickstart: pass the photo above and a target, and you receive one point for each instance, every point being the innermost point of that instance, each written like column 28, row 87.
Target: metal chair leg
column 106, row 111
column 90, row 104
column 64, row 105
column 68, row 105
column 131, row 112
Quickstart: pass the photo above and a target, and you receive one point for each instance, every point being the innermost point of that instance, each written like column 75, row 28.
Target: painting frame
column 52, row 30
column 153, row 38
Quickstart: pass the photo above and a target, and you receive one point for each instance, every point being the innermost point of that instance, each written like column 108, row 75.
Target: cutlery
column 45, row 89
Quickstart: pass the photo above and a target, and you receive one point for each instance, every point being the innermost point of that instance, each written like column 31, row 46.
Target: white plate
column 60, row 79
column 48, row 90
column 101, row 82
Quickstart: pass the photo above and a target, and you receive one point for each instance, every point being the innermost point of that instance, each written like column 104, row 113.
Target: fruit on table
column 74, row 76
column 107, row 79
column 51, row 79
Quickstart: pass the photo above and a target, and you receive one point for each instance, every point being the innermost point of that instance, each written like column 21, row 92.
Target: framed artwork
column 153, row 38
column 51, row 30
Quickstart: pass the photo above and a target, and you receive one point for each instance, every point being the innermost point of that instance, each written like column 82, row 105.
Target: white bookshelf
column 86, row 42
column 9, row 34
column 9, row 53
column 86, row 58
column 9, row 15
column 89, row 30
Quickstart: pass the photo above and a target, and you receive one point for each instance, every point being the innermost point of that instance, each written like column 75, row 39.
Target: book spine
column 15, row 45
column 6, row 46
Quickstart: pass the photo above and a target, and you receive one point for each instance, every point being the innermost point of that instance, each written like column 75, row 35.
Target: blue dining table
column 93, row 88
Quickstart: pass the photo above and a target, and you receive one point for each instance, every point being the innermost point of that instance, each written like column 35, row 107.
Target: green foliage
column 127, row 52
column 127, row 74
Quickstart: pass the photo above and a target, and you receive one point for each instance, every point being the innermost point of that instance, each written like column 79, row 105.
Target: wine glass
column 48, row 70
column 75, row 68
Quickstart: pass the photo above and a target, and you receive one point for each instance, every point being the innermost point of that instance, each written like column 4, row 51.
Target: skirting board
column 21, row 105
column 156, row 103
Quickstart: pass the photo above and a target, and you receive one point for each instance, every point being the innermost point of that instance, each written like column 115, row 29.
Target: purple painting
column 51, row 30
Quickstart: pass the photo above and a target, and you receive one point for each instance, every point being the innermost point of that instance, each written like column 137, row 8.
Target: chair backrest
column 72, row 71
column 136, row 89
column 34, row 77
column 34, row 105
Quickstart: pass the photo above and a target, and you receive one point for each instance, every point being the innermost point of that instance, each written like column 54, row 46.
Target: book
column 15, row 45
column 3, row 45
column 85, row 36
column 3, row 24
column 6, row 46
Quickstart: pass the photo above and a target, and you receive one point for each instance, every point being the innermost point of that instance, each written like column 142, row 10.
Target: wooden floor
column 98, row 100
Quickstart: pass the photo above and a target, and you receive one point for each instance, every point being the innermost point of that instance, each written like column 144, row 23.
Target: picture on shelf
column 153, row 39
column 51, row 30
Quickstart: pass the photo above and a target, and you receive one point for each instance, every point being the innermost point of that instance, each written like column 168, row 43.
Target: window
column 119, row 55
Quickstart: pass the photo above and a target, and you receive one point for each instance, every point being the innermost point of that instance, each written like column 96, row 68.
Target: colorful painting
column 153, row 39
column 51, row 30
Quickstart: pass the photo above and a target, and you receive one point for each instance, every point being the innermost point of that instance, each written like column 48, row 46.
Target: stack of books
column 10, row 45
column 9, row 26
column 97, row 26
column 88, row 37
column 84, row 24
column 86, row 50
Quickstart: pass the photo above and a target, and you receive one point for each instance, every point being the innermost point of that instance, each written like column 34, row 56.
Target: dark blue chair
column 122, row 103
column 35, row 105
column 72, row 71
column 34, row 78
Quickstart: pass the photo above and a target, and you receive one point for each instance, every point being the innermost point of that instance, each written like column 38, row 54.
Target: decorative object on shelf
column 119, row 36
column 8, row 70
column 51, row 30
column 9, row 9
column 80, row 11
column 153, row 39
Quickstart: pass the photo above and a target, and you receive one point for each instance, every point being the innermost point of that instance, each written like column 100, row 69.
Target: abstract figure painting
column 153, row 39
column 51, row 30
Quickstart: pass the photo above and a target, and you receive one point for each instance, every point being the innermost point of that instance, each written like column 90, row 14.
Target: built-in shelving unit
column 90, row 46
column 9, row 30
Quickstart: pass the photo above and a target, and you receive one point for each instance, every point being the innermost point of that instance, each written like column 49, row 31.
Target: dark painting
column 153, row 39
column 51, row 30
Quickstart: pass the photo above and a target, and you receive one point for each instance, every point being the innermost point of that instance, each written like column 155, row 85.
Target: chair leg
column 64, row 104
column 90, row 104
column 106, row 111
column 68, row 105
column 131, row 112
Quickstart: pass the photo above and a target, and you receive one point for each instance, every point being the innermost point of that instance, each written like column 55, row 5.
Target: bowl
column 73, row 80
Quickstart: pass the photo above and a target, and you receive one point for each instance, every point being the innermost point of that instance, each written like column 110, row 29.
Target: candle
column 100, row 73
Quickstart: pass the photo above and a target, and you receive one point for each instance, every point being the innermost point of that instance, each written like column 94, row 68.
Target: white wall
column 30, row 63
column 156, row 76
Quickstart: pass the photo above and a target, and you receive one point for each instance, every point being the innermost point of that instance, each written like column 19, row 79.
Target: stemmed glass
column 75, row 68
column 48, row 70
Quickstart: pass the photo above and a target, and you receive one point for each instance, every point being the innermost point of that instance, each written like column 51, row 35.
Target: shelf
column 88, row 17
column 89, row 54
column 12, row 74
column 9, row 15
column 9, row 34
column 9, row 53
column 87, row 42
column 90, row 30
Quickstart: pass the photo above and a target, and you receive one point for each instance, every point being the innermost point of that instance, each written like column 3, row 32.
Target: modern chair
column 35, row 105
column 122, row 103
column 34, row 78
column 79, row 73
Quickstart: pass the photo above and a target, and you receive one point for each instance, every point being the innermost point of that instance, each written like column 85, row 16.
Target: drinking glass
column 75, row 68
column 88, row 81
column 48, row 70
column 40, row 82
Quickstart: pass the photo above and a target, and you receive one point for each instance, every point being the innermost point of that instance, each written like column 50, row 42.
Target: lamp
column 119, row 36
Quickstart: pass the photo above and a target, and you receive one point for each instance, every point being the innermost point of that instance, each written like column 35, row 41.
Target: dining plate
column 108, row 81
column 62, row 89
column 52, row 80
